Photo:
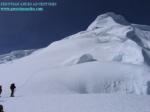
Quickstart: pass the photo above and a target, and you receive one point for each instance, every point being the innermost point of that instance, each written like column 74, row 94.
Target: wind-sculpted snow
column 93, row 77
column 144, row 36
column 142, row 27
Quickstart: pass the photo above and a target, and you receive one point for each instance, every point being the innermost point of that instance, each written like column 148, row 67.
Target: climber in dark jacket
column 1, row 108
column 12, row 88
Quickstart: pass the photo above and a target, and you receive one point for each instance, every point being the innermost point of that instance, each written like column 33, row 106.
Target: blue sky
column 27, row 30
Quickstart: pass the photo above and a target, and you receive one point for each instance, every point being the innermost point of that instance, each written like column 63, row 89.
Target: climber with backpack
column 12, row 88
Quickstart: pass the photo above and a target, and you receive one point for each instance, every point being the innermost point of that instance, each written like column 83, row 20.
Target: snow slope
column 79, row 103
column 110, row 57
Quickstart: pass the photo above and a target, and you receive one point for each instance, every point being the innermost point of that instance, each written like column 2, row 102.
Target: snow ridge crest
column 102, row 19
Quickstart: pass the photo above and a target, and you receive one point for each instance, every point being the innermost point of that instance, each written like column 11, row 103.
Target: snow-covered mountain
column 15, row 55
column 111, row 56
column 109, row 40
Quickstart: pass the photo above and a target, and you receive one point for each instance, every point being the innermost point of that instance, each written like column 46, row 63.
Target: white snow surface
column 100, row 69
column 78, row 103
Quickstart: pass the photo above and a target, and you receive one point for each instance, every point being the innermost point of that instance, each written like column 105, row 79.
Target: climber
column 1, row 108
column 12, row 88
